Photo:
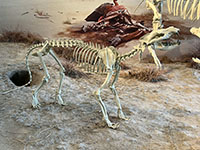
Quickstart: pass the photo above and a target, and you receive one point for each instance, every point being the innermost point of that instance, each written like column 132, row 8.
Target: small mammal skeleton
column 96, row 58
column 93, row 57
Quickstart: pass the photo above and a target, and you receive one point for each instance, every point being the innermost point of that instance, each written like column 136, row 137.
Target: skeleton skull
column 161, row 39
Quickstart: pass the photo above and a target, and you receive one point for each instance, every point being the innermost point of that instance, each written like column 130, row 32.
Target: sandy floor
column 163, row 115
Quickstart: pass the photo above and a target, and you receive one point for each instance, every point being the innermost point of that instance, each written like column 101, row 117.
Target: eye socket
column 176, row 36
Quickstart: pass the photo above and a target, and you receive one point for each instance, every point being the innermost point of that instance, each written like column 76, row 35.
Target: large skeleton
column 155, row 37
column 187, row 9
column 157, row 7
column 95, row 58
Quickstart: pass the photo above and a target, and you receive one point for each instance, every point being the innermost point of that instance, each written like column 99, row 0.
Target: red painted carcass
column 115, row 18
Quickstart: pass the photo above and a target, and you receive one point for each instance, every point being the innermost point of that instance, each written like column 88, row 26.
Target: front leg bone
column 45, row 79
column 155, row 58
column 101, row 103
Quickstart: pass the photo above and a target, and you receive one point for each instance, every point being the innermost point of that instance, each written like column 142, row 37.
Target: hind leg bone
column 62, row 70
column 45, row 79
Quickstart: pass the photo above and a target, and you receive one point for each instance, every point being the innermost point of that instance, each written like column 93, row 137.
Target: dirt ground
column 163, row 115
column 19, row 14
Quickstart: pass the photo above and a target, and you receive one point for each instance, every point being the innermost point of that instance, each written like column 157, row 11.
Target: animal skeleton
column 158, row 32
column 95, row 58
column 157, row 8
column 188, row 9
column 160, row 39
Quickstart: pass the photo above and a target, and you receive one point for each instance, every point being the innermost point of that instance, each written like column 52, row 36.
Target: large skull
column 161, row 39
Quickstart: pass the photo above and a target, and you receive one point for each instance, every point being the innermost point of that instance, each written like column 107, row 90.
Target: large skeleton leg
column 157, row 18
column 112, row 87
column 45, row 79
column 62, row 70
column 101, row 103
column 155, row 58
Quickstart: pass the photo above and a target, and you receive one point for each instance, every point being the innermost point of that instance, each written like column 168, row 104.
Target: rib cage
column 85, row 54
column 187, row 9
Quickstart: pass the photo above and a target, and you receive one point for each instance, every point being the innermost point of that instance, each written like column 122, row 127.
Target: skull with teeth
column 160, row 39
